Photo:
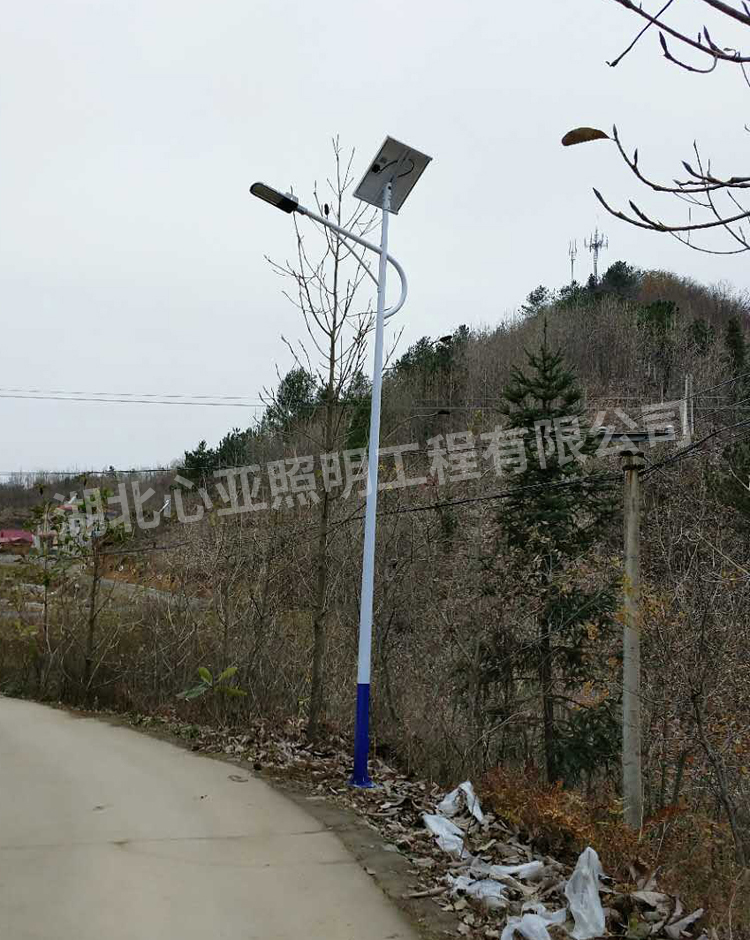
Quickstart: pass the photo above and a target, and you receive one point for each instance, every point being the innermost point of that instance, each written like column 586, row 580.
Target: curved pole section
column 345, row 233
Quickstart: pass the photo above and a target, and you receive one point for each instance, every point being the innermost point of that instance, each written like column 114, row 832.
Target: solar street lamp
column 389, row 179
column 284, row 201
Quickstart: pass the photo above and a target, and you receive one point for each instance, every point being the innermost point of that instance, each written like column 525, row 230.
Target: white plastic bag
column 489, row 892
column 480, row 869
column 449, row 837
column 531, row 926
column 549, row 917
column 459, row 883
column 582, row 892
column 463, row 795
column 527, row 870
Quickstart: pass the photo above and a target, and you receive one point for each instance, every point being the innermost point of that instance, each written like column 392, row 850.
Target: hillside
column 499, row 567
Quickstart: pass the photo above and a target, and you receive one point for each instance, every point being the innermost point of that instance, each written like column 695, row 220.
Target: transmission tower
column 595, row 244
column 572, row 254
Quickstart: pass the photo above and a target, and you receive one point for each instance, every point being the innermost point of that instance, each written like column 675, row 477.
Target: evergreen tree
column 418, row 358
column 294, row 400
column 536, row 301
column 733, row 483
column 736, row 347
column 658, row 320
column 428, row 364
column 734, row 480
column 620, row 279
column 572, row 295
column 233, row 448
column 552, row 527
column 701, row 336
column 358, row 399
column 198, row 465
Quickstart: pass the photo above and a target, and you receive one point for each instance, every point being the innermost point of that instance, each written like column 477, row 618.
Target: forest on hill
column 516, row 642
column 498, row 607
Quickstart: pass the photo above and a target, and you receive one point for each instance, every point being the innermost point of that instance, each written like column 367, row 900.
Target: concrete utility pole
column 633, row 461
column 632, row 787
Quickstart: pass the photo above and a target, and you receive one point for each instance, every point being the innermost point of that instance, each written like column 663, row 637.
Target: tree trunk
column 321, row 580
column 43, row 665
column 319, row 624
column 548, row 712
column 88, row 663
column 226, row 604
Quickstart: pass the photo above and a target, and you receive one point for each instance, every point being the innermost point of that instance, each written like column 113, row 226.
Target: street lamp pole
column 386, row 184
column 360, row 776
column 289, row 203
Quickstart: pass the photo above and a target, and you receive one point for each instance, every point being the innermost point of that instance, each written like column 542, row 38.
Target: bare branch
column 729, row 11
column 712, row 50
column 645, row 28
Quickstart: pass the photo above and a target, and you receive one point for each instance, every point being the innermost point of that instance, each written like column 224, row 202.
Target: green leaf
column 231, row 690
column 227, row 674
column 195, row 692
column 205, row 675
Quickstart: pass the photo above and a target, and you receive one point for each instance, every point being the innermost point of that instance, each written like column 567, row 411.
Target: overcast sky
column 132, row 256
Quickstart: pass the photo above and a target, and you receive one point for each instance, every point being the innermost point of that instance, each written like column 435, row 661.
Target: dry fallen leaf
column 675, row 930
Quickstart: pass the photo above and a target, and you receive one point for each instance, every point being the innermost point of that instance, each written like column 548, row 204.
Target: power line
column 692, row 448
column 151, row 470
column 229, row 401
column 136, row 401
column 238, row 401
column 105, row 394
column 593, row 481
column 590, row 481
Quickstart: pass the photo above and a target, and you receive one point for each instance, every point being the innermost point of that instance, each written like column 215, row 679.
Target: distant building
column 16, row 541
column 70, row 520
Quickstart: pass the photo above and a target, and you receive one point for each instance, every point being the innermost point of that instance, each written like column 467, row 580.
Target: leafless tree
column 714, row 201
column 326, row 292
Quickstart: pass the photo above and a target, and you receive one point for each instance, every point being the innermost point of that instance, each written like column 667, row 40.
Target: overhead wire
column 592, row 481
column 135, row 401
column 691, row 449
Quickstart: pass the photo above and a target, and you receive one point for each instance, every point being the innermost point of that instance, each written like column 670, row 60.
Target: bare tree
column 325, row 292
column 716, row 200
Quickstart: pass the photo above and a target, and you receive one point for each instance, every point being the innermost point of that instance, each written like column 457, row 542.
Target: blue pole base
column 360, row 777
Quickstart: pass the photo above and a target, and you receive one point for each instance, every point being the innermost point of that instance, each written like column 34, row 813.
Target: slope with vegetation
column 498, row 617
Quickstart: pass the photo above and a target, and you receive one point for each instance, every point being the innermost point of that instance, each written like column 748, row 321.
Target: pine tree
column 198, row 465
column 553, row 527
column 733, row 482
column 536, row 301
column 736, row 347
column 620, row 279
column 293, row 401
column 701, row 336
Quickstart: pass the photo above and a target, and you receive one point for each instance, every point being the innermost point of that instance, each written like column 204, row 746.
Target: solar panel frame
column 397, row 163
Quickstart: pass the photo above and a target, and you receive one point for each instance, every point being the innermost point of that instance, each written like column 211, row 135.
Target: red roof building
column 14, row 540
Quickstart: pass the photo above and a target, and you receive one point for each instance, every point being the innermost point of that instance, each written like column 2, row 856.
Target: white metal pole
column 360, row 776
column 345, row 233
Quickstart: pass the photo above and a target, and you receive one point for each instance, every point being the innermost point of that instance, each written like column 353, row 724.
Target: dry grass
column 691, row 855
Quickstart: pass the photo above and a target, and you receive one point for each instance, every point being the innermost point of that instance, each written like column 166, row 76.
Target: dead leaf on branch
column 581, row 135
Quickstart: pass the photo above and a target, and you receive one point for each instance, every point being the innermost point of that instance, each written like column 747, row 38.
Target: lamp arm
column 345, row 233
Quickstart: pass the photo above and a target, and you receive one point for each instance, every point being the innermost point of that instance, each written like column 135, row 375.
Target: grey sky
column 131, row 255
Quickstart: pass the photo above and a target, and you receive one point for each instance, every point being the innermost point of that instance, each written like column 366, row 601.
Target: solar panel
column 396, row 163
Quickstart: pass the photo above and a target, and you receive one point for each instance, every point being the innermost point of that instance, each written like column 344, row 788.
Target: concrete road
column 107, row 834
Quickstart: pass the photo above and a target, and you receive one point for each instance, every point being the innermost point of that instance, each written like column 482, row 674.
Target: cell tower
column 572, row 254
column 595, row 244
